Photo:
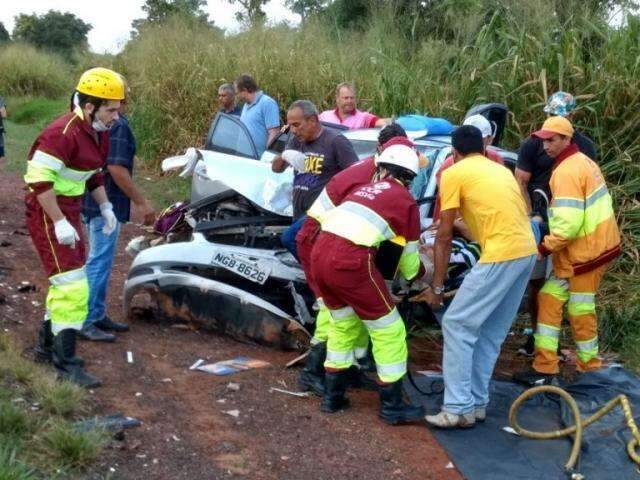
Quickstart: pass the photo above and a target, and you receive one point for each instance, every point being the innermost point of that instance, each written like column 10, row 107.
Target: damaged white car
column 226, row 270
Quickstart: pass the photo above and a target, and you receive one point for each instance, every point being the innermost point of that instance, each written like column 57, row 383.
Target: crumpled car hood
column 252, row 179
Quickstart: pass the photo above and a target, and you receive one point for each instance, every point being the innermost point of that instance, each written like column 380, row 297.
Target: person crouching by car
column 360, row 173
column 354, row 290
column 325, row 152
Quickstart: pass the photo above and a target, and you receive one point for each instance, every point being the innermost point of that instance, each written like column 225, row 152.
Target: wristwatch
column 437, row 290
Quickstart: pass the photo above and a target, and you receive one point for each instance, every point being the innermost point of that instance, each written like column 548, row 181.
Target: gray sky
column 111, row 20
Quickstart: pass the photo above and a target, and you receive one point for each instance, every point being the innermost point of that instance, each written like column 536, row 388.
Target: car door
column 229, row 135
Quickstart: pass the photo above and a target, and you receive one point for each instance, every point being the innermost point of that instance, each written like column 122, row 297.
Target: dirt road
column 189, row 430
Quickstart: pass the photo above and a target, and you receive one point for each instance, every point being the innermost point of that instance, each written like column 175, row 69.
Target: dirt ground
column 187, row 432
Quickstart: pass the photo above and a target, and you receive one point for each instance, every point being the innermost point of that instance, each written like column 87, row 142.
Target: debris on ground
column 196, row 364
column 233, row 413
column 289, row 392
column 229, row 367
column 114, row 424
column 297, row 359
column 26, row 287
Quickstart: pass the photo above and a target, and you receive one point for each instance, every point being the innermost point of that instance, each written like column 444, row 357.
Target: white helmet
column 481, row 123
column 401, row 156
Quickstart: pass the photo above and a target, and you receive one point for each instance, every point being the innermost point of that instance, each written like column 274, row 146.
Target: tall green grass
column 517, row 54
column 25, row 70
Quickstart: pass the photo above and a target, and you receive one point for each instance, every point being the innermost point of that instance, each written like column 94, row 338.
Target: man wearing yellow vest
column 67, row 158
column 584, row 238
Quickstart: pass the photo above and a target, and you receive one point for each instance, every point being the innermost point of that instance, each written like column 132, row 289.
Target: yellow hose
column 580, row 424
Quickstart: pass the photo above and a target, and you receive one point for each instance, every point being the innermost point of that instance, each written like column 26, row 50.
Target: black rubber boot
column 312, row 376
column 335, row 385
column 393, row 409
column 64, row 349
column 358, row 379
column 43, row 351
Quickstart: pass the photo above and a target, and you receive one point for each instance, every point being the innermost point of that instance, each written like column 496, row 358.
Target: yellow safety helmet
column 101, row 83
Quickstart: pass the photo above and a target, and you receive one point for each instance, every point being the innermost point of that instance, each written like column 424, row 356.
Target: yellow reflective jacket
column 583, row 233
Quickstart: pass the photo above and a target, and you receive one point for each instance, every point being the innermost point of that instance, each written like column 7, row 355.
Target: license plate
column 249, row 270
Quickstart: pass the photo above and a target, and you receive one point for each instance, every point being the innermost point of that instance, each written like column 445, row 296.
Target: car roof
column 371, row 134
column 437, row 141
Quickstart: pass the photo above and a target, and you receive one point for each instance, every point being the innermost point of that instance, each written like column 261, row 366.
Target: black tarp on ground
column 486, row 451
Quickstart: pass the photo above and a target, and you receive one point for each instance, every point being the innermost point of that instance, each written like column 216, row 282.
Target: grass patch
column 17, row 142
column 37, row 111
column 37, row 414
column 59, row 398
column 13, row 469
column 163, row 190
column 14, row 421
column 71, row 449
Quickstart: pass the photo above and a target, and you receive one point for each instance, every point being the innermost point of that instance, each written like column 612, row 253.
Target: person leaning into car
column 326, row 153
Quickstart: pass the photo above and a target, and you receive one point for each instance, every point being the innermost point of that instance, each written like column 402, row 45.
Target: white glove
column 65, row 233
column 110, row 220
column 295, row 159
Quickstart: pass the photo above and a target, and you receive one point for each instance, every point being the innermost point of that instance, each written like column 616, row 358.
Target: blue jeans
column 474, row 327
column 102, row 249
column 288, row 237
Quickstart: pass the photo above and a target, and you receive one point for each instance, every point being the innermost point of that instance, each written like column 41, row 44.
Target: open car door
column 496, row 113
column 229, row 135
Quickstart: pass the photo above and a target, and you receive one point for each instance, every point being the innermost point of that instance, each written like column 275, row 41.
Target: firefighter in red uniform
column 353, row 289
column 362, row 172
column 66, row 159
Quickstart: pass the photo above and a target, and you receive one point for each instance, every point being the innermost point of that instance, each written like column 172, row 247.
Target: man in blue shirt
column 227, row 100
column 260, row 113
column 121, row 190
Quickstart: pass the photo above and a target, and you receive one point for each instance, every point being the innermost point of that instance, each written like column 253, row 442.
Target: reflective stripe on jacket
column 582, row 225
column 66, row 156
column 377, row 212
column 45, row 168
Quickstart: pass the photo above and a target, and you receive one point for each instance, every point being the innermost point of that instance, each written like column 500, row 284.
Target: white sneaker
column 480, row 413
column 451, row 420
